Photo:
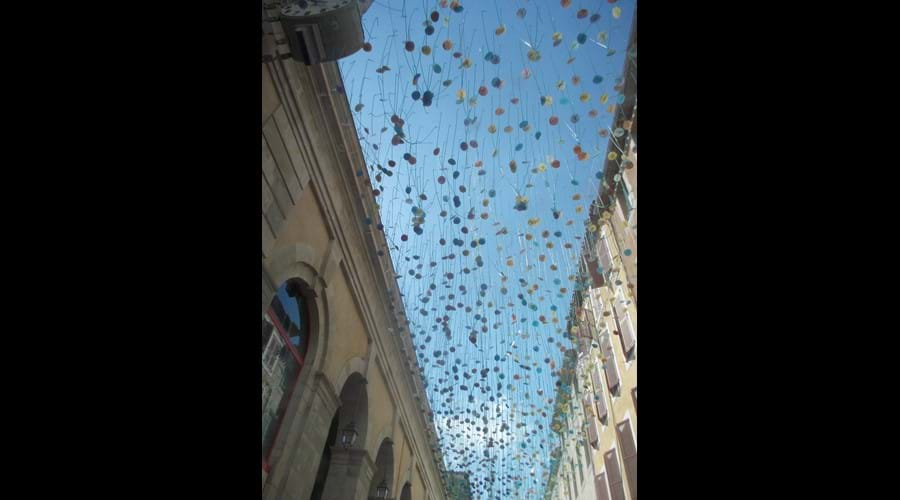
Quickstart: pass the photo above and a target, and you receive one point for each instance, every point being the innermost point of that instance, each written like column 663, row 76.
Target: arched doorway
column 343, row 472
column 384, row 470
column 286, row 331
column 406, row 493
column 354, row 411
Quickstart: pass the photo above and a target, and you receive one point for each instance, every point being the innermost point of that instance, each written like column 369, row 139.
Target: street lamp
column 348, row 435
column 382, row 490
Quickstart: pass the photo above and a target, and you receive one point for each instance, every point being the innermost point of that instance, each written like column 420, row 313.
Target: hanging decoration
column 485, row 137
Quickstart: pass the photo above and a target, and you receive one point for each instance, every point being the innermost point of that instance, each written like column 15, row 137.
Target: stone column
column 295, row 472
column 349, row 475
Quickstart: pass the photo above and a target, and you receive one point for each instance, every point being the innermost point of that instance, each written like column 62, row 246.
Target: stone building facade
column 572, row 467
column 337, row 354
column 597, row 403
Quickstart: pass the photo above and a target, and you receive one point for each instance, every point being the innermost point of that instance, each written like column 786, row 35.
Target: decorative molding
column 289, row 262
column 332, row 258
column 351, row 249
column 351, row 366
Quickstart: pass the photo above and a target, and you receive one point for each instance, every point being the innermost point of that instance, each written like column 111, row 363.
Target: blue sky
column 464, row 252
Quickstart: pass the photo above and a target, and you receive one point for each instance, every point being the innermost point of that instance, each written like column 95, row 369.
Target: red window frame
column 267, row 466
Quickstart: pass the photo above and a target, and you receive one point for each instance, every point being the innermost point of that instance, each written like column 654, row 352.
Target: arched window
column 285, row 340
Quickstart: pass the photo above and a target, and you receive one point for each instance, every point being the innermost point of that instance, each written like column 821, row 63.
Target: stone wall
column 318, row 226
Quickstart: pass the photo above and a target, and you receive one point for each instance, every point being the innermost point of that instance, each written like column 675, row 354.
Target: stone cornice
column 319, row 88
column 382, row 305
column 349, row 150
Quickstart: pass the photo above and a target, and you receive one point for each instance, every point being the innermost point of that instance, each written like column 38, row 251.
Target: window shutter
column 619, row 304
column 612, row 374
column 589, row 321
column 596, row 278
column 593, row 436
column 600, row 396
column 587, row 402
column 574, row 479
column 601, row 486
column 629, row 455
column 616, row 488
column 584, row 334
column 627, row 331
column 604, row 254
column 597, row 310
column 584, row 344
column 584, row 330
column 625, row 200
